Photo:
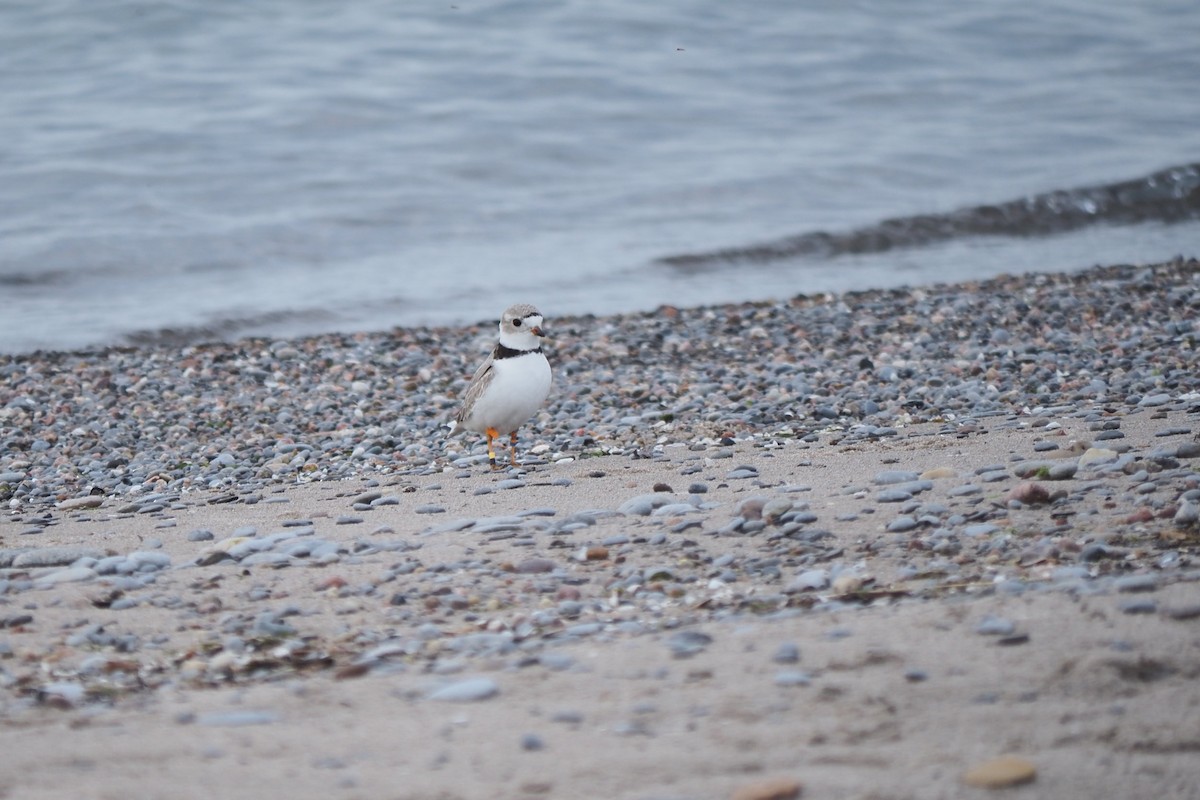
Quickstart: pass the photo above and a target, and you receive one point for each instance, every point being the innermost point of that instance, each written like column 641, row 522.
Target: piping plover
column 511, row 384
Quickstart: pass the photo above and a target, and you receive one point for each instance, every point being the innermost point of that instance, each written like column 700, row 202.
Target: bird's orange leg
column 512, row 448
column 491, row 434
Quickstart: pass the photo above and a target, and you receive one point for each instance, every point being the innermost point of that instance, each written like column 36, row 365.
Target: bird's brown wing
column 479, row 383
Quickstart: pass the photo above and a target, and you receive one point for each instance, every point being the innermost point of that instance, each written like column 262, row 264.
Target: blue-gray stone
column 470, row 690
column 995, row 626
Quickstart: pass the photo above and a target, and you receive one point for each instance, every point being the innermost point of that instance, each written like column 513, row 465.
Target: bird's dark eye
column 516, row 323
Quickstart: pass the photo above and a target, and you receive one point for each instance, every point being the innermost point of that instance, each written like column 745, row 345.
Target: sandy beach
column 855, row 595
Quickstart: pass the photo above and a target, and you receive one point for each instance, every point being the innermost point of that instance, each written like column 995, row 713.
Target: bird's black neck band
column 508, row 352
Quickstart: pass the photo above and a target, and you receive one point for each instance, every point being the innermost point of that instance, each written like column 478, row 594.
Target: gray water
column 195, row 170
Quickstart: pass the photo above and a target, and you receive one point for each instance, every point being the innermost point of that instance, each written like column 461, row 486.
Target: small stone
column 938, row 473
column 1094, row 456
column 1029, row 493
column 470, row 690
column 792, row 677
column 593, row 553
column 1188, row 514
column 770, row 789
column 1136, row 583
column 809, row 580
column 995, row 626
column 1000, row 773
column 847, row 584
column 688, row 643
column 76, row 503
column 69, row 575
column 237, row 719
column 1138, row 606
column 532, row 566
column 892, row 476
column 786, row 653
column 642, row 505
column 54, row 556
column 1182, row 612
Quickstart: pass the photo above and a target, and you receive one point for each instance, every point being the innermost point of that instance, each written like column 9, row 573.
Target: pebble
column 642, row 505
column 809, row 580
column 76, row 503
column 786, row 653
column 688, row 643
column 1136, row 583
column 471, row 690
column 234, row 435
column 1001, row 773
column 792, row 678
column 995, row 626
column 769, row 789
column 239, row 718
column 54, row 556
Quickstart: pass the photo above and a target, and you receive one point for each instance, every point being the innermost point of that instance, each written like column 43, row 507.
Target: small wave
column 220, row 330
column 1170, row 195
column 26, row 279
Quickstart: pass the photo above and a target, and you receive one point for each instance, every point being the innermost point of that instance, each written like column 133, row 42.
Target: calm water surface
column 201, row 170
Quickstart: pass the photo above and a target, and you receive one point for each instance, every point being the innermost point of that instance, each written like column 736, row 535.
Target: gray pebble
column 688, row 642
column 1138, row 606
column 792, row 677
column 892, row 476
column 643, row 505
column 466, row 691
column 995, row 626
column 237, row 718
column 54, row 556
column 809, row 580
column 1136, row 583
column 786, row 653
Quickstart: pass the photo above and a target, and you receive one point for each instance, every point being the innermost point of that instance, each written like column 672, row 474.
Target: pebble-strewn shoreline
column 242, row 416
column 1030, row 443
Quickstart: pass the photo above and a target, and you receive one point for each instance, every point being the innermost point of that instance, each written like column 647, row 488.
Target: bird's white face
column 521, row 328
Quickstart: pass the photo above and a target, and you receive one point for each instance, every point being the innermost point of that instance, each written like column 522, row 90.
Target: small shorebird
column 511, row 384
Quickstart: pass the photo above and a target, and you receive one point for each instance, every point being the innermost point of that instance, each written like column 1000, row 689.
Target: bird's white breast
column 519, row 387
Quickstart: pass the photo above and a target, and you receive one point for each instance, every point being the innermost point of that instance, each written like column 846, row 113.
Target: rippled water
column 210, row 170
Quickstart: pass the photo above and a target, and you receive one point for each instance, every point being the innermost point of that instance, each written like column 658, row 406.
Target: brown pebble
column 663, row 487
column 351, row 671
column 1000, row 773
column 1029, row 493
column 751, row 509
column 1141, row 515
column 597, row 553
column 773, row 789
column 332, row 582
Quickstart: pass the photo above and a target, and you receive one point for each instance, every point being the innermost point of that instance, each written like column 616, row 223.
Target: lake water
column 192, row 170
